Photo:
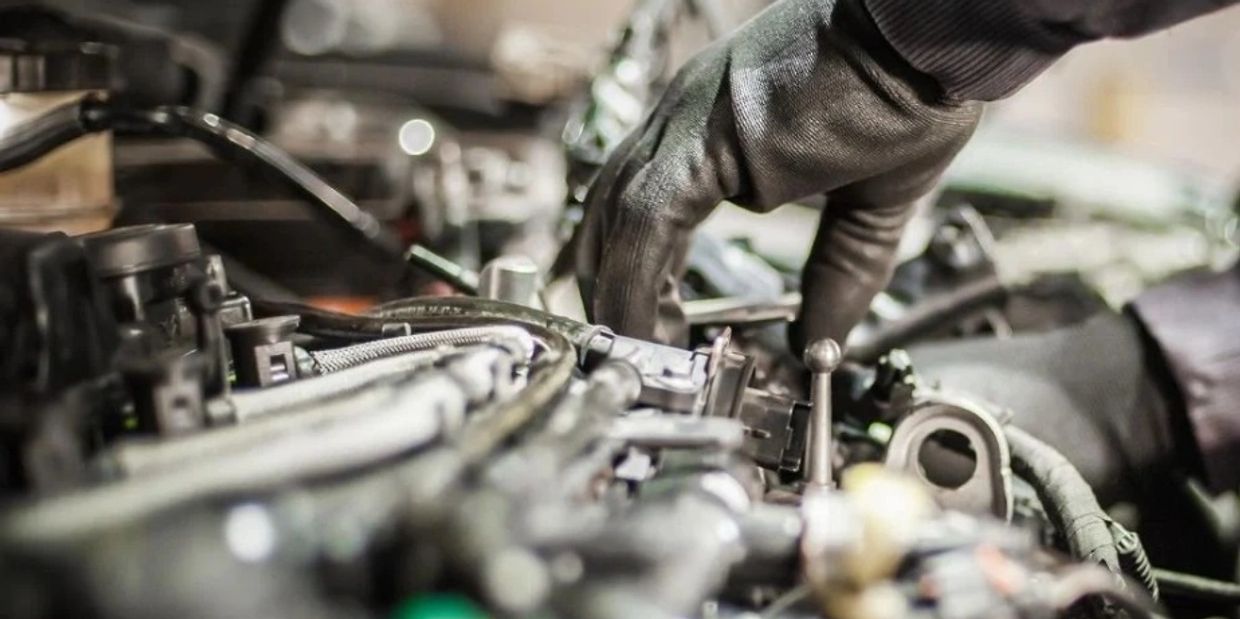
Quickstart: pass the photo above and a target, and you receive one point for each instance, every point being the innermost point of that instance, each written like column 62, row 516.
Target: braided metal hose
column 514, row 339
column 244, row 406
column 264, row 414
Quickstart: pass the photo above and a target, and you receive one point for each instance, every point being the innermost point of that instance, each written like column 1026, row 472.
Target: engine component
column 71, row 189
column 167, row 392
column 262, row 352
column 157, row 282
column 932, row 423
column 513, row 279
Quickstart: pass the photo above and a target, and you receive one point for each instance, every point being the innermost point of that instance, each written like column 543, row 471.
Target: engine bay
column 306, row 374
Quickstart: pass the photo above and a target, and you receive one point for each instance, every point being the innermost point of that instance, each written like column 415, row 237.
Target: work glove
column 807, row 98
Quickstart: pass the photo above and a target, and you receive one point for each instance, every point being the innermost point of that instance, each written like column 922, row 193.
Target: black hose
column 1190, row 585
column 459, row 277
column 231, row 142
column 929, row 315
column 1070, row 503
column 33, row 139
column 434, row 311
column 426, row 314
column 260, row 42
column 487, row 429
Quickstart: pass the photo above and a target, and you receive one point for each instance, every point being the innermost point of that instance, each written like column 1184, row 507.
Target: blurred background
column 1173, row 95
column 474, row 126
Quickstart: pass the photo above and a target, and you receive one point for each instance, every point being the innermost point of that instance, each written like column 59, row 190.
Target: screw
column 821, row 357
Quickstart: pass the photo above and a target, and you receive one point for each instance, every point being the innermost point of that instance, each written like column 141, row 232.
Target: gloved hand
column 806, row 98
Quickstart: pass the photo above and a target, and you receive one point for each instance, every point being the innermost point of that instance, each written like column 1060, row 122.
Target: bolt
column 821, row 357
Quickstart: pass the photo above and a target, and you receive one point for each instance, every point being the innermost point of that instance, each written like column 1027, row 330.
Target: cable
column 33, row 139
column 1078, row 582
column 459, row 277
column 929, row 314
column 428, row 314
column 1133, row 558
column 231, row 142
column 1068, row 499
column 1190, row 585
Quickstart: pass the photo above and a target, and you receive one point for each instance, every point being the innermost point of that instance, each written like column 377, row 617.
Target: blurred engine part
column 70, row 189
column 1063, row 207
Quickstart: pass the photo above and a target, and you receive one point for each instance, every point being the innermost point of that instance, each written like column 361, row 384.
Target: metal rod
column 821, row 357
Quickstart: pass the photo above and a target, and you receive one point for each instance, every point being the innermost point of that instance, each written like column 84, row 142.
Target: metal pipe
column 822, row 358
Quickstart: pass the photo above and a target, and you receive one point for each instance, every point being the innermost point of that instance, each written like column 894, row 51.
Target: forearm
column 1193, row 321
column 987, row 49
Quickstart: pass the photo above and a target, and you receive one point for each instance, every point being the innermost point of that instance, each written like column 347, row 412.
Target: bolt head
column 823, row 355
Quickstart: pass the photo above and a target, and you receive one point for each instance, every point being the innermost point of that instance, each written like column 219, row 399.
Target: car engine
column 187, row 430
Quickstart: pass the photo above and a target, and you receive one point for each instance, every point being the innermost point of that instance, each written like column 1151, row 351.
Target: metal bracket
column 988, row 489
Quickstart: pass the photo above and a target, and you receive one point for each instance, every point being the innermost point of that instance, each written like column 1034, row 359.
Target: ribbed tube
column 1069, row 501
column 515, row 339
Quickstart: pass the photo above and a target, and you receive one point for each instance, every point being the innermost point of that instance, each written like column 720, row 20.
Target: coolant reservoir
column 71, row 188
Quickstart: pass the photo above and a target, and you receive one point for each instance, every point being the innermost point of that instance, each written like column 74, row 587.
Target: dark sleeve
column 982, row 50
column 1195, row 321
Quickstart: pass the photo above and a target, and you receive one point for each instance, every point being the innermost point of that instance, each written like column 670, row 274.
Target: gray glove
column 806, row 98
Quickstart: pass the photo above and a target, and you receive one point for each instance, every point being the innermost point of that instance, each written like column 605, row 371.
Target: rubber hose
column 1190, row 585
column 246, row 406
column 424, row 312
column 486, row 429
column 428, row 314
column 928, row 315
column 493, row 425
column 33, row 139
column 267, row 413
column 229, row 141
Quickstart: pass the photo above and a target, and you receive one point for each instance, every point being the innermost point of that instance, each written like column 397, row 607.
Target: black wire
column 1069, row 501
column 33, row 139
column 261, row 41
column 929, row 314
column 91, row 114
column 457, row 276
column 1191, row 585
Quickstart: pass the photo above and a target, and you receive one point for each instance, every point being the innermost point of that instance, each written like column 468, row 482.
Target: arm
column 987, row 49
column 865, row 101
